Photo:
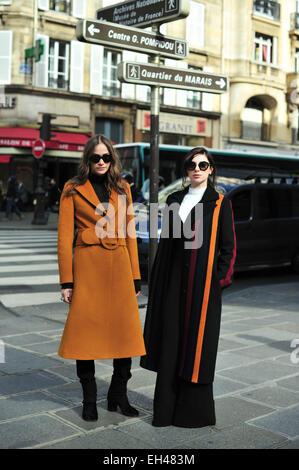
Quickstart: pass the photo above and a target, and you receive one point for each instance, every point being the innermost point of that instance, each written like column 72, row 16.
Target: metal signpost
column 134, row 39
column 145, row 12
column 151, row 74
column 39, row 216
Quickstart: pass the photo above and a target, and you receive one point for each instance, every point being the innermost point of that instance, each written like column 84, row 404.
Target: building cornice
column 248, row 80
column 48, row 92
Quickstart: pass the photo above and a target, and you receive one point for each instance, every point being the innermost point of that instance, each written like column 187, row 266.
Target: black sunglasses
column 190, row 166
column 95, row 158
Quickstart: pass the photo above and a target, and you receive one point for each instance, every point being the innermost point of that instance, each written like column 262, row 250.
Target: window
column 241, row 203
column 252, row 121
column 5, row 56
column 112, row 128
column 111, row 84
column 265, row 49
column 275, row 203
column 194, row 98
column 58, row 74
column 267, row 8
column 195, row 25
column 63, row 6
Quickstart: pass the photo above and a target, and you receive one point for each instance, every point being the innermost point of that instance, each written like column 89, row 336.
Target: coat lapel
column 88, row 193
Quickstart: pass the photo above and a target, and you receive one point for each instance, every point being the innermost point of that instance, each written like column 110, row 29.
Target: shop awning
column 24, row 137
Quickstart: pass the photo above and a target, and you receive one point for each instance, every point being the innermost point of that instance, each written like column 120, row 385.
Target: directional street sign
column 145, row 12
column 156, row 75
column 134, row 39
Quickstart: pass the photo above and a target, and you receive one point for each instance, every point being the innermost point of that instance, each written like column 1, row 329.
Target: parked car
column 266, row 219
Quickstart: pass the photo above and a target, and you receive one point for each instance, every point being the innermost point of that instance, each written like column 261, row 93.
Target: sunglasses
column 190, row 166
column 95, row 158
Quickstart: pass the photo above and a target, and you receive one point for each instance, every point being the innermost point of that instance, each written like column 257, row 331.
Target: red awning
column 24, row 137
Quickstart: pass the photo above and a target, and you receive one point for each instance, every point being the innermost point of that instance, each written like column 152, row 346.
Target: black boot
column 117, row 393
column 89, row 412
column 85, row 372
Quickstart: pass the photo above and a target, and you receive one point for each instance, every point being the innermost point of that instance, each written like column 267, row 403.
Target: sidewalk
column 25, row 223
column 256, row 385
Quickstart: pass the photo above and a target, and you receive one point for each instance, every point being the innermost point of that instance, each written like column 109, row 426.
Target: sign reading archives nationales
column 148, row 74
column 145, row 12
column 134, row 39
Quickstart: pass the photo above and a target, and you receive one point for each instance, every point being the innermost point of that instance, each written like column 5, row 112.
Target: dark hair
column 189, row 157
column 114, row 178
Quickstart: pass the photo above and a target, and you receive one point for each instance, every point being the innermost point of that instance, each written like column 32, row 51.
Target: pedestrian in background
column 54, row 196
column 12, row 198
column 101, row 278
column 184, row 306
column 23, row 196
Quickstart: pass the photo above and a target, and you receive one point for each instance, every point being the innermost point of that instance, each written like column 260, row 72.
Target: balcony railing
column 268, row 8
column 294, row 20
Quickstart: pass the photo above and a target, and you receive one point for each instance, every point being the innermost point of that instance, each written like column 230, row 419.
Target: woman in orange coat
column 99, row 274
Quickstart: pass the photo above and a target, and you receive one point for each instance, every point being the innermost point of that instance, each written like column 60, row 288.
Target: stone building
column 254, row 42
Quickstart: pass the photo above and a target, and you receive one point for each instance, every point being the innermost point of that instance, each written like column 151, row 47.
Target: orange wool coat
column 103, row 320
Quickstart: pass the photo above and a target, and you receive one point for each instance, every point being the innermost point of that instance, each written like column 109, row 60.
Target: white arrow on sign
column 221, row 83
column 92, row 30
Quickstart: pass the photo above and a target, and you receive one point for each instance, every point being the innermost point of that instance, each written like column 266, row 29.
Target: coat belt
column 89, row 237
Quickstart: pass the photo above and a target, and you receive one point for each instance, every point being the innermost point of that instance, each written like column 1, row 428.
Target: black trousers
column 121, row 369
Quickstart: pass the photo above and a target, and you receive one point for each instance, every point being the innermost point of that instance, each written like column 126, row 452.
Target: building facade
column 260, row 55
column 254, row 42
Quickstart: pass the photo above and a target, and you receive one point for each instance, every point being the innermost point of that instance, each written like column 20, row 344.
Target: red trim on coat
column 227, row 280
column 189, row 295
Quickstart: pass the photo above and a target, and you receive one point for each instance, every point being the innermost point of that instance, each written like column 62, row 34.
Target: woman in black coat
column 184, row 307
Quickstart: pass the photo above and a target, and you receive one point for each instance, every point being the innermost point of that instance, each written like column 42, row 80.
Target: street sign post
column 39, row 216
column 150, row 74
column 134, row 39
column 145, row 12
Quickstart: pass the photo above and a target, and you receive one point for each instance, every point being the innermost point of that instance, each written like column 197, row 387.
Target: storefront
column 176, row 129
column 59, row 161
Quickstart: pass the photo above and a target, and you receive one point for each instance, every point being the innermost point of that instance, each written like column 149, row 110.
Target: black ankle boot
column 123, row 404
column 89, row 412
column 117, row 393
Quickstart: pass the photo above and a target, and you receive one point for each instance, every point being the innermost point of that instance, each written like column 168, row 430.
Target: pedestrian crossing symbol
column 171, row 5
column 180, row 48
column 134, row 71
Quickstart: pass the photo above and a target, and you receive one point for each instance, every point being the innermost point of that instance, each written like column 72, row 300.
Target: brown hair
column 188, row 158
column 114, row 178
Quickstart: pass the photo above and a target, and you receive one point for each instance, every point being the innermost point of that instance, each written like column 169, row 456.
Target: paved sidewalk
column 256, row 386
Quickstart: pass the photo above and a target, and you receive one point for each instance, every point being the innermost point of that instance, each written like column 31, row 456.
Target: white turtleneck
column 190, row 200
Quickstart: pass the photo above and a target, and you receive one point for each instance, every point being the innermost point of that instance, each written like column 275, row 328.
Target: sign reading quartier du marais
column 148, row 74
column 134, row 39
column 145, row 12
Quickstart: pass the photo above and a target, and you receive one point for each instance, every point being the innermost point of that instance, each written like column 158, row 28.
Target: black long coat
column 190, row 279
